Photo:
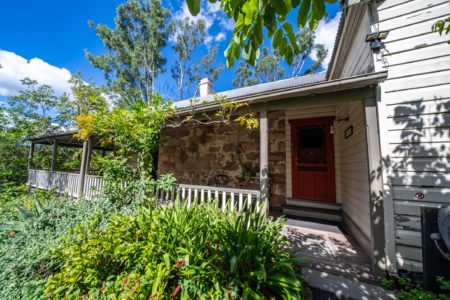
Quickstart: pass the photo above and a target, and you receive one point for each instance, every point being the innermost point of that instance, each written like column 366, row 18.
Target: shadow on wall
column 418, row 164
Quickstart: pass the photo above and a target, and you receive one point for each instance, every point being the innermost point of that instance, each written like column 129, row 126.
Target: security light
column 376, row 45
column 371, row 36
column 382, row 34
column 374, row 38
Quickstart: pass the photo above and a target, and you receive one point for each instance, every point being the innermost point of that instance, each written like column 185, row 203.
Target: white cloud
column 214, row 7
column 211, row 14
column 220, row 37
column 15, row 67
column 226, row 23
column 326, row 35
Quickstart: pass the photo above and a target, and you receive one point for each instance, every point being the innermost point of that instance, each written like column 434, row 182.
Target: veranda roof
column 281, row 89
column 66, row 139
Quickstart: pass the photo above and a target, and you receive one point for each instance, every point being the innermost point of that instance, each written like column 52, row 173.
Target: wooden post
column 89, row 154
column 377, row 219
column 83, row 168
column 30, row 156
column 54, row 153
column 264, row 159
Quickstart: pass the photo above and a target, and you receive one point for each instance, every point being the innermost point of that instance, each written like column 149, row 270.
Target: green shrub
column 10, row 193
column 124, row 185
column 411, row 291
column 176, row 251
column 29, row 228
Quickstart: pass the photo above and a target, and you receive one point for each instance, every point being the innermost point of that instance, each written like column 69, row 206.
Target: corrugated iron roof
column 336, row 43
column 258, row 89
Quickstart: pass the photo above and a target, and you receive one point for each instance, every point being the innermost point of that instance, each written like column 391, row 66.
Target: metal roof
column 336, row 44
column 257, row 89
column 67, row 139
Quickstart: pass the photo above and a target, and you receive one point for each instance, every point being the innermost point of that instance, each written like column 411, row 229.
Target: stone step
column 314, row 204
column 313, row 213
column 328, row 286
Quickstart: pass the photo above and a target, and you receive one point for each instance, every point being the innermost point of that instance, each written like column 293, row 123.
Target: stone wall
column 195, row 154
column 277, row 157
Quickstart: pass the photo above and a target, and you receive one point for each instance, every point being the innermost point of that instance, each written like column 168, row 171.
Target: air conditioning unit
column 435, row 245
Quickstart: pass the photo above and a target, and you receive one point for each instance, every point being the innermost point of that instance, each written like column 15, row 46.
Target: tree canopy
column 33, row 111
column 268, row 67
column 188, row 35
column 134, row 56
column 252, row 16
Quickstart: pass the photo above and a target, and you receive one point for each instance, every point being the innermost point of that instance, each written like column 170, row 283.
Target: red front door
column 313, row 159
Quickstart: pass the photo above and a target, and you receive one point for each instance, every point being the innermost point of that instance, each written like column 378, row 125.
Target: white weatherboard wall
column 414, row 120
column 352, row 172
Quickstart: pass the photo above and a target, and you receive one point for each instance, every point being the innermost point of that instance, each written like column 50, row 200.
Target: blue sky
column 46, row 40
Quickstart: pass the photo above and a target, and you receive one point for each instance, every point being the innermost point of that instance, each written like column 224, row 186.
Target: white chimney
column 205, row 87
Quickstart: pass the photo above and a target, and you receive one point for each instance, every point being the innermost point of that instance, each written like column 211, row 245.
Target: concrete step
column 313, row 204
column 313, row 213
column 328, row 286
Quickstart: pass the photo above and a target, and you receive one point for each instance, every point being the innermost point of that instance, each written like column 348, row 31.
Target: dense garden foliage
column 53, row 247
column 30, row 227
column 163, row 252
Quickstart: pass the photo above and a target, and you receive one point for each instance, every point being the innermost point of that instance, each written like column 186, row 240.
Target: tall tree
column 207, row 66
column 34, row 103
column 268, row 67
column 321, row 54
column 134, row 57
column 86, row 97
column 245, row 75
column 305, row 42
column 29, row 113
column 188, row 35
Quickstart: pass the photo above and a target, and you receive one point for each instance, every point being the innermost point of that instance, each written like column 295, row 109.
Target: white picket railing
column 226, row 198
column 92, row 186
column 64, row 182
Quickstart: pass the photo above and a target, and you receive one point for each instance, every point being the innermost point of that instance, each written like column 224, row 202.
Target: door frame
column 330, row 154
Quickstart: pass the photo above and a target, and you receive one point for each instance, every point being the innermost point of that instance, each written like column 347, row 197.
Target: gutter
column 355, row 82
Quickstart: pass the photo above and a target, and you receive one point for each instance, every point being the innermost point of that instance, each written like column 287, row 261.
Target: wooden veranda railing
column 64, row 182
column 226, row 198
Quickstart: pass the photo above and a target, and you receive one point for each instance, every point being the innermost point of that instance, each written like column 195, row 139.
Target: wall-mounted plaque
column 348, row 132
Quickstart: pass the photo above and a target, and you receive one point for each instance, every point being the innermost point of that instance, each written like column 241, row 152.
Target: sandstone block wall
column 277, row 157
column 195, row 154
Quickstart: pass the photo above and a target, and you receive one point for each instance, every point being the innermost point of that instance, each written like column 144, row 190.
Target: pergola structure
column 68, row 139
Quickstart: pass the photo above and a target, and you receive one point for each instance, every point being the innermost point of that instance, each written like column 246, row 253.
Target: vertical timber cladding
column 352, row 173
column 195, row 154
column 414, row 120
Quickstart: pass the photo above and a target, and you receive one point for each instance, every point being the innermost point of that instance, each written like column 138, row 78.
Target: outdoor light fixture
column 375, row 39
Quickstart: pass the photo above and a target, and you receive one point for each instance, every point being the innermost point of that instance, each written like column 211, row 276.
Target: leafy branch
column 226, row 113
column 252, row 16
column 441, row 26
